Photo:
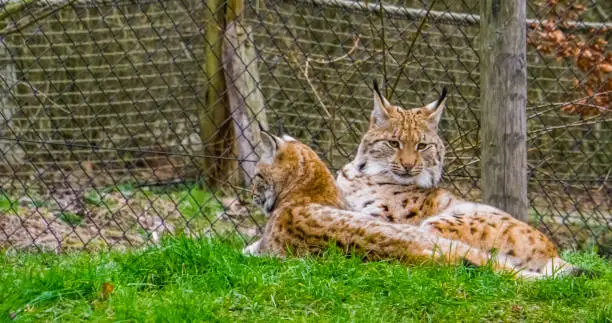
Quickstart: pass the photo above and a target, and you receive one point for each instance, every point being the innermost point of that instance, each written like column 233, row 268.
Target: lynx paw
column 253, row 249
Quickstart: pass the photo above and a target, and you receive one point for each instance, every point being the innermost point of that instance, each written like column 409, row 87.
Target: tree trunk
column 245, row 98
column 503, row 95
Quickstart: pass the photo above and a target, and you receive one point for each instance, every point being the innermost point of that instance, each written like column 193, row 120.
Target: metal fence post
column 503, row 95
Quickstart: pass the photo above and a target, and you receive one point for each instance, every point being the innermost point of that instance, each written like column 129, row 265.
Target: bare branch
column 330, row 61
column 576, row 101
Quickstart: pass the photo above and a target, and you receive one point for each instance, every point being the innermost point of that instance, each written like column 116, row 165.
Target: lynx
column 306, row 213
column 394, row 177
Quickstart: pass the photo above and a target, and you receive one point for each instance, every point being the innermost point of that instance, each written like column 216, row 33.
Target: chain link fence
column 118, row 123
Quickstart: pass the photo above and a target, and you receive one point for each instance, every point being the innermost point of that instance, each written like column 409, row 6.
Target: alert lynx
column 305, row 213
column 394, row 177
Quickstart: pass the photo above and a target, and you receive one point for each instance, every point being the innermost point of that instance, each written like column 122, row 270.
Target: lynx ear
column 270, row 145
column 380, row 114
column 436, row 108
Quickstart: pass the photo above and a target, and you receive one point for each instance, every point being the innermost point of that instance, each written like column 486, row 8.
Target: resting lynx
column 305, row 213
column 394, row 177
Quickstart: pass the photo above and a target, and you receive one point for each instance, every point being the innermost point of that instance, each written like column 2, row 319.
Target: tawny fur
column 395, row 175
column 306, row 213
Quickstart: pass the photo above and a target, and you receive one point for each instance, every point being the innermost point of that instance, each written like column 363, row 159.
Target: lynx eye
column 393, row 144
column 258, row 179
column 422, row 146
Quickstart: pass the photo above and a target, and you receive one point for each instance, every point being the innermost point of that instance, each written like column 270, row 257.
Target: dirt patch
column 120, row 221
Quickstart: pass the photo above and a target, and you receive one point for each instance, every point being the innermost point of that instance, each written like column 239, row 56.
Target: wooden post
column 235, row 10
column 503, row 97
column 13, row 153
column 215, row 131
column 246, row 101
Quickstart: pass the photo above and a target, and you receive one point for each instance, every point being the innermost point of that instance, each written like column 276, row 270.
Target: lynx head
column 289, row 171
column 402, row 145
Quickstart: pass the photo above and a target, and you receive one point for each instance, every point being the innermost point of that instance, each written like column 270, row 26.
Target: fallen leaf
column 107, row 289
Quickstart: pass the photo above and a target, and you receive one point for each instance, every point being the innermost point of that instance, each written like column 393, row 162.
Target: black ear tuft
column 442, row 96
column 260, row 127
column 444, row 92
column 376, row 88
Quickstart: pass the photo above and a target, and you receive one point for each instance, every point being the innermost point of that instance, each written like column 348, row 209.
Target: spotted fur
column 306, row 213
column 398, row 183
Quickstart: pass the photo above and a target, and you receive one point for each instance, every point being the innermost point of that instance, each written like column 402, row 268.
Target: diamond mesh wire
column 103, row 104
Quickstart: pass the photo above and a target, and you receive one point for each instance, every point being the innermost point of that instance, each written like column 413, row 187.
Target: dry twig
column 328, row 61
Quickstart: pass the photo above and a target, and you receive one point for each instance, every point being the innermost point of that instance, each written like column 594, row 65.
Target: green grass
column 70, row 218
column 210, row 280
column 7, row 204
column 196, row 202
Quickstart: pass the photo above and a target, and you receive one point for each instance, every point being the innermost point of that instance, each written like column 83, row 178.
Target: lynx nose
column 408, row 166
column 408, row 161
